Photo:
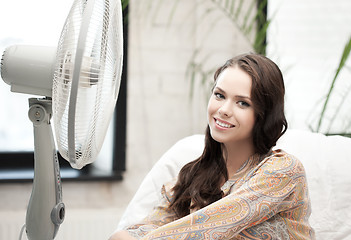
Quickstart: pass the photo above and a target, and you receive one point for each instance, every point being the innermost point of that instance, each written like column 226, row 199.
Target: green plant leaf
column 343, row 59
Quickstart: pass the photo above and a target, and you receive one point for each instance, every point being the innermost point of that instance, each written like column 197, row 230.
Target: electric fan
column 79, row 81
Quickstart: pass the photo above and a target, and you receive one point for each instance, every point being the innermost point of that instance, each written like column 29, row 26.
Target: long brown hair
column 198, row 183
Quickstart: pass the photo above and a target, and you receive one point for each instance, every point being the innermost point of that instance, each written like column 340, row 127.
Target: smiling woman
column 239, row 188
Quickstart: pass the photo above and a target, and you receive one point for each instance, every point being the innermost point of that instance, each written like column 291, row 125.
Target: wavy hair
column 198, row 183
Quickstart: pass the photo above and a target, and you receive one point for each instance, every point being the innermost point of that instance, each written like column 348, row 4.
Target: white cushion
column 165, row 169
column 327, row 161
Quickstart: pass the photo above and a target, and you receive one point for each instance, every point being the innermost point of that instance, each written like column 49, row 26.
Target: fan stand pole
column 45, row 210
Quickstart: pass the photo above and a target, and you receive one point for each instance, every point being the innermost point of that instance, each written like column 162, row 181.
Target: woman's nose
column 226, row 109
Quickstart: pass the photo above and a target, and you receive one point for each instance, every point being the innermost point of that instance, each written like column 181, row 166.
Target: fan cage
column 84, row 98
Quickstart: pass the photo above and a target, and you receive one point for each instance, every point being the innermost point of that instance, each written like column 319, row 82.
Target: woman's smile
column 223, row 124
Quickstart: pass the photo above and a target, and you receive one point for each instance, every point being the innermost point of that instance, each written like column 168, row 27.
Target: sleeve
column 160, row 216
column 273, row 187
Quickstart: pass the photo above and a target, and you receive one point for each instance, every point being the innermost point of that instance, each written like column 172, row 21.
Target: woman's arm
column 278, row 185
column 160, row 216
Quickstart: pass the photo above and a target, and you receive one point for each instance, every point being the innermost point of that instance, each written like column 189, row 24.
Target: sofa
column 327, row 161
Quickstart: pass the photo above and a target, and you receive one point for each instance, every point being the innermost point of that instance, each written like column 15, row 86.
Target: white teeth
column 223, row 124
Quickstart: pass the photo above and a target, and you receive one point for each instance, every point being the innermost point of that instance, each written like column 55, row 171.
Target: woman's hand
column 122, row 235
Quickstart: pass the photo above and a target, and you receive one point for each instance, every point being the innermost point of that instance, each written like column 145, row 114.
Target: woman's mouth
column 223, row 124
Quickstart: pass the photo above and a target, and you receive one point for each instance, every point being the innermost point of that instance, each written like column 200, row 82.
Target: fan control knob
column 58, row 213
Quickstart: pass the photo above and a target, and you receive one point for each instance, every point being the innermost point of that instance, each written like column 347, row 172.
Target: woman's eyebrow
column 218, row 89
column 244, row 97
column 237, row 96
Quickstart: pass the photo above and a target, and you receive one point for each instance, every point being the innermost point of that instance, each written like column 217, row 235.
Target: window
column 16, row 138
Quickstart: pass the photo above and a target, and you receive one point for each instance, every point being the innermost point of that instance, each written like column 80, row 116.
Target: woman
column 239, row 188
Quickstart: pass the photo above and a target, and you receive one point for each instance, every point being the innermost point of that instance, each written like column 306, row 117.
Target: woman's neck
column 236, row 156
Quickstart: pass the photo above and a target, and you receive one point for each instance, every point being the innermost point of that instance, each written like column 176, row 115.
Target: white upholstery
column 327, row 161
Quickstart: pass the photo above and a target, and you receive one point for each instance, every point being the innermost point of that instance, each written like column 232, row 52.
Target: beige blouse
column 264, row 200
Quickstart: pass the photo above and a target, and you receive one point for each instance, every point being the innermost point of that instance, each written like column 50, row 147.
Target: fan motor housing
column 34, row 64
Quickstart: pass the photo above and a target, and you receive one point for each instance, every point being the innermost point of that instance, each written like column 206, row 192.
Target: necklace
column 243, row 166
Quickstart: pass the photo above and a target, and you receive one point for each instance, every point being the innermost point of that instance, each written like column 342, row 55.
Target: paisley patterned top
column 265, row 200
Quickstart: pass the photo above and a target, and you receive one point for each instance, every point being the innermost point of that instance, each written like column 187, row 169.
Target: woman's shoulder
column 280, row 162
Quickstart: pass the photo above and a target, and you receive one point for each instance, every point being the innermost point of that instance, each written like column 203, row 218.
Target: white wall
column 160, row 111
column 306, row 38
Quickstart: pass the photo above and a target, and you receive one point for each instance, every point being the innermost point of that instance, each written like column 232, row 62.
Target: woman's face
column 231, row 116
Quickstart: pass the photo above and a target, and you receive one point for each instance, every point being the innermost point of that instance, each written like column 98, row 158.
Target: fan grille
column 87, row 78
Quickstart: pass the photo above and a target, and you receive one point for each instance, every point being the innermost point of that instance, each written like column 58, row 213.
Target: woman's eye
column 243, row 104
column 219, row 95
